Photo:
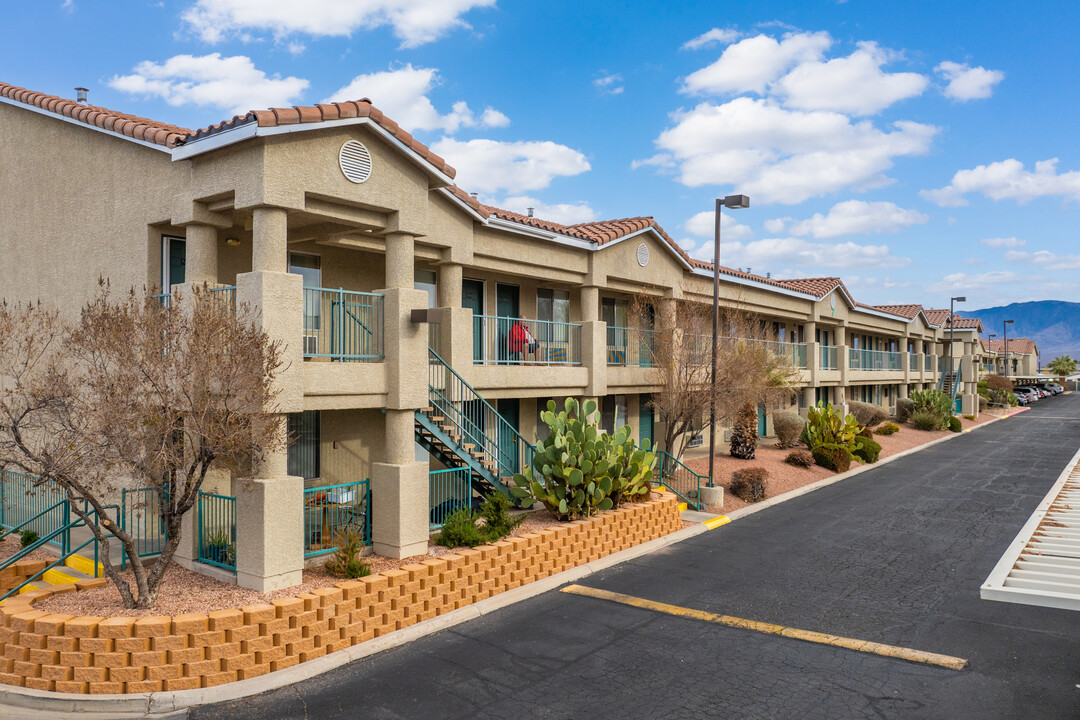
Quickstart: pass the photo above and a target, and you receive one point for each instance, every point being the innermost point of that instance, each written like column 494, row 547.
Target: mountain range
column 1054, row 325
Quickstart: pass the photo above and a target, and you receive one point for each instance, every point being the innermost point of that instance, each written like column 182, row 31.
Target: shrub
column 925, row 420
column 888, row 428
column 748, row 484
column 28, row 537
column 460, row 530
column 833, row 457
column 744, row 433
column 1011, row 399
column 345, row 562
column 970, row 417
column 867, row 450
column 469, row 528
column 825, row 427
column 932, row 401
column 984, row 402
column 495, row 512
column 868, row 415
column 788, row 426
column 799, row 458
column 954, row 423
column 904, row 407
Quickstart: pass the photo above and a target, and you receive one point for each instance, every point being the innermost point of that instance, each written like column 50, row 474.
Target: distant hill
column 1054, row 325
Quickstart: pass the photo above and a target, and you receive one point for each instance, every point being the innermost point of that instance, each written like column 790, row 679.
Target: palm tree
column 1062, row 365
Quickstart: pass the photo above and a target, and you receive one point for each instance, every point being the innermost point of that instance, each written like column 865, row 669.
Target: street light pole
column 990, row 347
column 952, row 334
column 1005, row 329
column 731, row 202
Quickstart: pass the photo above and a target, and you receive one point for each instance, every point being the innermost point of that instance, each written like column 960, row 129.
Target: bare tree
column 135, row 395
column 751, row 369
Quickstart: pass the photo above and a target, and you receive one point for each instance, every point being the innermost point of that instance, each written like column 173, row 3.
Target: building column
column 809, row 399
column 400, row 255
column 201, row 255
column 449, row 290
column 399, row 492
column 270, row 239
column 843, row 357
column 590, row 303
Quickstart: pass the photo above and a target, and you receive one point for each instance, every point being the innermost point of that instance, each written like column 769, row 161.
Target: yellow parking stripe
column 865, row 646
column 717, row 522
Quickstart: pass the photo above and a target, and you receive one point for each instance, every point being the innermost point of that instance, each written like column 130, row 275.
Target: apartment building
column 423, row 329
column 1021, row 360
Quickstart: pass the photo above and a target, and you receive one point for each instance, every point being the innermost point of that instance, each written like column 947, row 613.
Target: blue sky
column 918, row 150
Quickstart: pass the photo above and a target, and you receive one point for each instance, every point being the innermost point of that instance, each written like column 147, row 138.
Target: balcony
column 795, row 353
column 913, row 362
column 873, row 360
column 830, row 357
column 928, row 363
column 630, row 347
column 343, row 326
column 514, row 341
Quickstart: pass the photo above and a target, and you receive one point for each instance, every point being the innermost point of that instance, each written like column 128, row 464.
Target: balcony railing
column 928, row 363
column 225, row 294
column 513, row 341
column 343, row 326
column 333, row 509
column 830, row 357
column 873, row 360
column 631, row 347
column 448, row 491
column 795, row 353
column 913, row 362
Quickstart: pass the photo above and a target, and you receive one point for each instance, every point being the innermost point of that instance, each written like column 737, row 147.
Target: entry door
column 507, row 308
column 762, row 425
column 645, row 421
column 173, row 259
column 508, row 448
column 472, row 297
column 615, row 312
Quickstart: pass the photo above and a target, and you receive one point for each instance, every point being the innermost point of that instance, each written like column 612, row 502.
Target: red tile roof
column 1020, row 346
column 941, row 319
column 937, row 317
column 818, row 287
column 905, row 311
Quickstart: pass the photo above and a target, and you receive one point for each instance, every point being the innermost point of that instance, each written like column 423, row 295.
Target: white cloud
column 609, row 84
column 414, row 22
column 296, row 48
column 858, row 282
column 1050, row 260
column 855, row 217
column 402, row 95
column 231, row 83
column 562, row 213
column 703, row 224
column 716, row 36
column 968, row 83
column 490, row 165
column 957, row 282
column 854, row 84
column 68, row 5
column 776, row 225
column 772, row 252
column 1008, row 180
column 783, row 156
column 1003, row 242
column 751, row 64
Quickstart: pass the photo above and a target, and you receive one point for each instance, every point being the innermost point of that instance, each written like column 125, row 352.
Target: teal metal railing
column 27, row 504
column 631, row 347
column 225, row 294
column 142, row 516
column 501, row 340
column 830, row 357
column 216, row 521
column 928, row 363
column 343, row 325
column 873, row 360
column 913, row 362
column 681, row 480
column 448, row 491
column 165, row 299
column 475, row 421
column 331, row 509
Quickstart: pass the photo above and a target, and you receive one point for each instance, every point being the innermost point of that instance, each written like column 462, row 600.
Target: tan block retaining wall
column 18, row 573
column 128, row 655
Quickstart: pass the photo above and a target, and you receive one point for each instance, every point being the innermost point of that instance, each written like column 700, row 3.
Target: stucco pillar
column 809, row 332
column 405, row 347
column 813, row 363
column 809, row 400
column 456, row 336
column 590, row 303
column 400, row 249
column 399, row 492
column 449, row 290
column 201, row 255
column 843, row 356
column 270, row 239
column 594, row 356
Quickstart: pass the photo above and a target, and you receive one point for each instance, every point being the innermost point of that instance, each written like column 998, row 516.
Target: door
column 645, row 421
column 509, row 459
column 507, row 310
column 472, row 297
column 173, row 259
column 615, row 313
column 762, row 425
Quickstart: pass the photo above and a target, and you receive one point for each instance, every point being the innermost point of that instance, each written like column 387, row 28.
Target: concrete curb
column 166, row 705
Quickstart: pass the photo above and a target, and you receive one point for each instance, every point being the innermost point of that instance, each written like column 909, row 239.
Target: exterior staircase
column 462, row 429
column 951, row 383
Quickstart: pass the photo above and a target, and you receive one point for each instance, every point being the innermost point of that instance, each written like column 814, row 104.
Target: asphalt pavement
column 895, row 555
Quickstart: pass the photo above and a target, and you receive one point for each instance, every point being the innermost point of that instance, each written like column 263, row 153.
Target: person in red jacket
column 521, row 340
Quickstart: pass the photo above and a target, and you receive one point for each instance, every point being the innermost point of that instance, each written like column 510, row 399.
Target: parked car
column 1022, row 399
column 1027, row 393
column 1052, row 387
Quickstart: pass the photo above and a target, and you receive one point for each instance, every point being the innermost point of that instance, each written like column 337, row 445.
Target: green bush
column 460, row 530
column 867, row 414
column 580, row 470
column 932, row 401
column 970, row 417
column 924, row 420
column 799, row 458
column 954, row 423
column 748, row 484
column 1011, row 398
column 28, row 538
column 825, row 427
column 833, row 457
column 345, row 562
column 888, row 428
column 495, row 512
column 788, row 426
column 904, row 407
column 866, row 449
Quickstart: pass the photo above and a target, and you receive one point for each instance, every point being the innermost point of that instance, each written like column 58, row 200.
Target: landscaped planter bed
column 70, row 654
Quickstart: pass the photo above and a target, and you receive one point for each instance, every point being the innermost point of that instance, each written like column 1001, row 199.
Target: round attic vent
column 642, row 254
column 355, row 161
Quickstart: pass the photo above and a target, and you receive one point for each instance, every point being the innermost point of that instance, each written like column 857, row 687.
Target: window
column 309, row 267
column 612, row 411
column 173, row 260
column 425, row 280
column 552, row 306
column 304, row 439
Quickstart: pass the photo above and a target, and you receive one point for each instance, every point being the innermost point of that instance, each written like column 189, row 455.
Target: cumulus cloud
column 562, row 213
column 230, row 83
column 1045, row 258
column 751, row 64
column 1008, row 180
column 968, row 83
column 703, row 224
column 777, row 155
column 414, row 22
column 772, row 252
column 716, row 36
column 609, row 84
column 855, row 84
column 1003, row 242
column 402, row 94
column 490, row 165
column 855, row 217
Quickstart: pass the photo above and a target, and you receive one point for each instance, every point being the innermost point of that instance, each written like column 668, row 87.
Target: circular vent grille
column 642, row 255
column 355, row 161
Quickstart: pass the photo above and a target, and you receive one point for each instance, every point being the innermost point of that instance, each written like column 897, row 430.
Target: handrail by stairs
column 680, row 479
column 41, row 514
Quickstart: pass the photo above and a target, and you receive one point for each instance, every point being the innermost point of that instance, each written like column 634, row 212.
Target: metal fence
column 216, row 521
column 142, row 517
column 928, row 363
column 343, row 325
column 225, row 294
column 913, row 361
column 332, row 509
column 448, row 491
column 631, row 347
column 683, row 481
column 39, row 508
column 873, row 360
column 830, row 357
column 512, row 341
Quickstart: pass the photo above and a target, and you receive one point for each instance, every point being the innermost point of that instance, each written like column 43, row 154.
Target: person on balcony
column 521, row 340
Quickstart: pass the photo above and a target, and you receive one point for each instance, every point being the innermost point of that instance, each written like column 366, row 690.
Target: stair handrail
column 52, row 507
column 64, row 554
column 678, row 465
column 529, row 448
column 53, row 564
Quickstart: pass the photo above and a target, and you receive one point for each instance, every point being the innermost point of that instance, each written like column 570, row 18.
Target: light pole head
column 1008, row 322
column 733, row 202
column 960, row 299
